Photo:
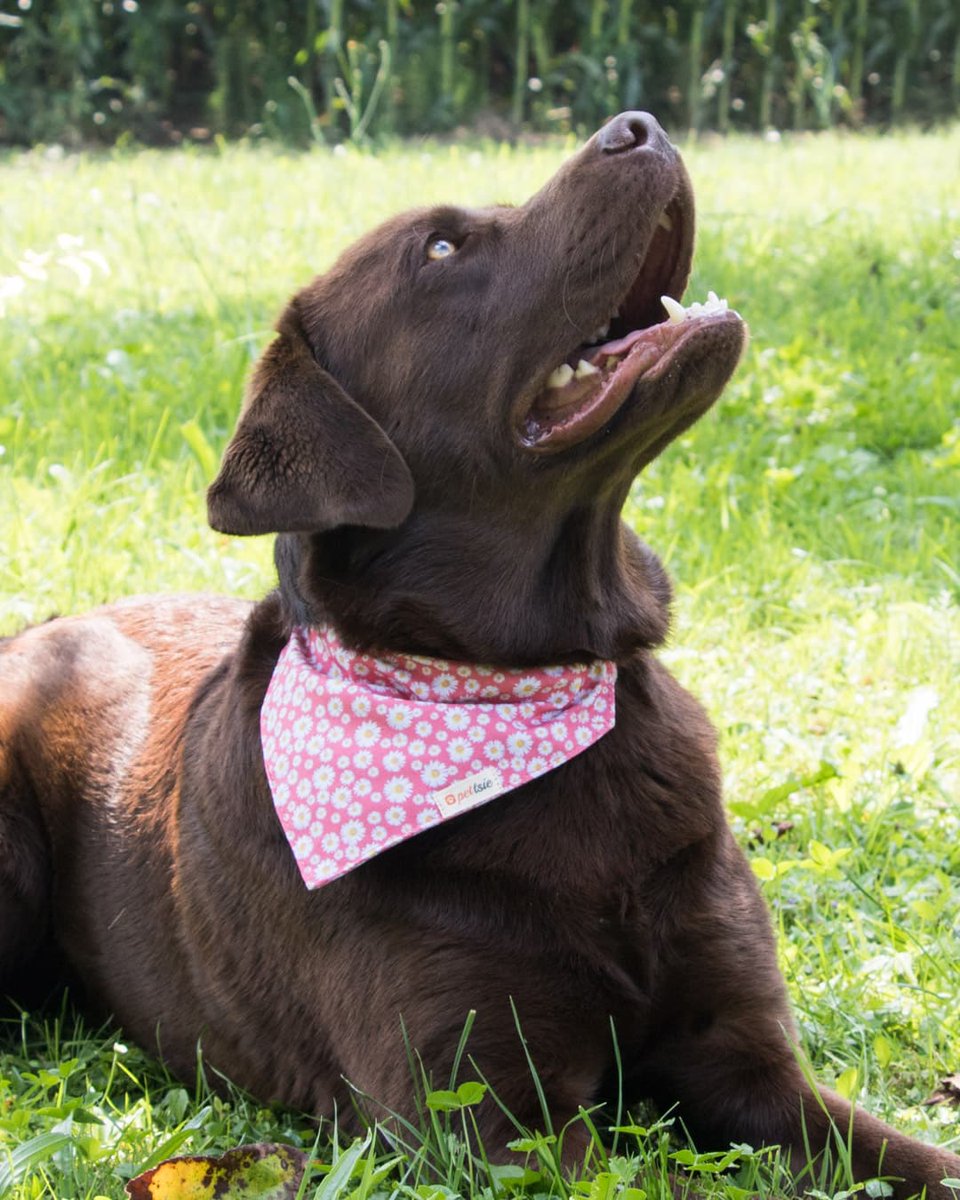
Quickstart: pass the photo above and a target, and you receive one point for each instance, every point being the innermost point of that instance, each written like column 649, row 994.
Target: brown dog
column 439, row 488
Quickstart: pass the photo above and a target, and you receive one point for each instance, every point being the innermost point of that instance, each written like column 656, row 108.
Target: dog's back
column 92, row 711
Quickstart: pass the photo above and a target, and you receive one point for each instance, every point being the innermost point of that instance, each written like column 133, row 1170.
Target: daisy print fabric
column 362, row 752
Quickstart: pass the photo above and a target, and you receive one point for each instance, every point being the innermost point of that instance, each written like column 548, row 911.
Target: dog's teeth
column 584, row 369
column 675, row 310
column 677, row 313
column 612, row 361
column 561, row 376
column 600, row 334
column 664, row 221
column 715, row 303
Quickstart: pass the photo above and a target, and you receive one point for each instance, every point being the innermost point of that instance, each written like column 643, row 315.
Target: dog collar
column 362, row 752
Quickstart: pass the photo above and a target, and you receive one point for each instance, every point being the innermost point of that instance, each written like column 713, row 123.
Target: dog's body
column 433, row 496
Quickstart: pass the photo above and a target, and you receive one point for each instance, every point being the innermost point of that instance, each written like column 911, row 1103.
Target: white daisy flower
column 367, row 734
column 360, row 706
column 330, row 843
column 398, row 789
column 519, row 743
column 419, row 747
column 352, row 832
column 399, row 718
column 393, row 760
column 456, row 720
column 340, row 797
column 303, row 789
column 435, row 774
column 459, row 750
column 444, row 685
column 394, row 815
column 300, row 817
column 493, row 751
column 363, row 787
column 302, row 846
column 527, row 686
column 362, row 759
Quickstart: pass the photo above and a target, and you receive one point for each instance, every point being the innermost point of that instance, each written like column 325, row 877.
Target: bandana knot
column 363, row 751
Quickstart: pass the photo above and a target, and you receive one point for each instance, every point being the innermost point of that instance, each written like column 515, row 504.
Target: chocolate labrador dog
column 443, row 435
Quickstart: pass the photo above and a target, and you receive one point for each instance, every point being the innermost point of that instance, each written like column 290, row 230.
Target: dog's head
column 449, row 422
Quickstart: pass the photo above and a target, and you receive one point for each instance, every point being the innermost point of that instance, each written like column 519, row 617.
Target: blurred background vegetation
column 165, row 71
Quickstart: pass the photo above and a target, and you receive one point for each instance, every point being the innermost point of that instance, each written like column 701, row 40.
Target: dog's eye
column 440, row 247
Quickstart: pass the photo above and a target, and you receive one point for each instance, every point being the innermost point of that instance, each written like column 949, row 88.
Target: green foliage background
column 163, row 70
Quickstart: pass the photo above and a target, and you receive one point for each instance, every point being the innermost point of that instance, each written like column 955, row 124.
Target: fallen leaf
column 264, row 1171
column 948, row 1092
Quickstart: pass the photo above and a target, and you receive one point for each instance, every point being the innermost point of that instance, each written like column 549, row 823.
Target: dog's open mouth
column 646, row 334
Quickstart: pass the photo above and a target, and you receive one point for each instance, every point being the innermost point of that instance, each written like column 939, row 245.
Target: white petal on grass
column 910, row 728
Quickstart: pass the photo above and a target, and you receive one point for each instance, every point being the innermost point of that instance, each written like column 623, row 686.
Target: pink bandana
column 363, row 752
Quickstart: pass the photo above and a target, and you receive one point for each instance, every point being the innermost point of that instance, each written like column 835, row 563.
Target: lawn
column 810, row 523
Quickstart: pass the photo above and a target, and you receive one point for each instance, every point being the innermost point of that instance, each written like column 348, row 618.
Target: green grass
column 810, row 521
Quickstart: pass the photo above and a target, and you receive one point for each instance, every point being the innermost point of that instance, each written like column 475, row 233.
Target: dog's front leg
column 721, row 1044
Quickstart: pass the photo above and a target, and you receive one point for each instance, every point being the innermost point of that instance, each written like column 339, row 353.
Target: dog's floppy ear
column 305, row 456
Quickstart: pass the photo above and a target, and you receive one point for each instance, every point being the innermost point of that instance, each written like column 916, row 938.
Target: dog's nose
column 630, row 131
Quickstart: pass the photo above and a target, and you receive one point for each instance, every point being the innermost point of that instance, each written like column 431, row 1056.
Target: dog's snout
column 632, row 131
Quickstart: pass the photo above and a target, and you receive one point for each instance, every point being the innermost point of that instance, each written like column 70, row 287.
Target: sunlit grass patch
column 810, row 522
